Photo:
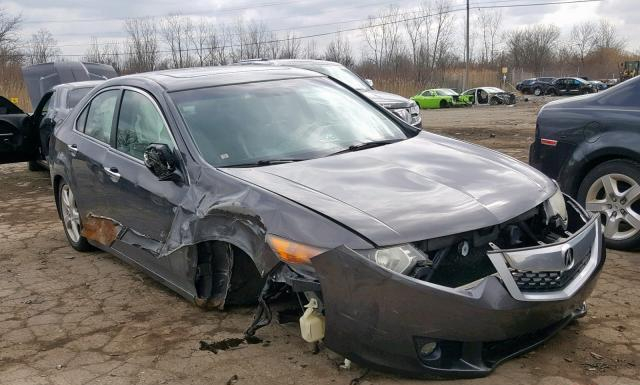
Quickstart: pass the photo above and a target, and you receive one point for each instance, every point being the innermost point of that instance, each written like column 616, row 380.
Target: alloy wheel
column 70, row 215
column 616, row 198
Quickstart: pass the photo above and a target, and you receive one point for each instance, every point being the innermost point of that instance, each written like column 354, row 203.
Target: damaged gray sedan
column 416, row 253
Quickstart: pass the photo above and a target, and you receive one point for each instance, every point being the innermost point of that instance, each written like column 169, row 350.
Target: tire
column 619, row 210
column 246, row 282
column 444, row 104
column 67, row 207
column 537, row 91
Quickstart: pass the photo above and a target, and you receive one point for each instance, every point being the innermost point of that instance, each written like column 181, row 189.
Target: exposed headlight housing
column 400, row 259
column 403, row 113
column 414, row 109
column 556, row 207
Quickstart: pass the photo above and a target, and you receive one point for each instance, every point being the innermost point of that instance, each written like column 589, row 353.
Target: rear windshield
column 75, row 95
column 283, row 119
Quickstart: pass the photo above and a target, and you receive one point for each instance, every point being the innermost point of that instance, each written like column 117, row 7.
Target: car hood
column 386, row 99
column 421, row 188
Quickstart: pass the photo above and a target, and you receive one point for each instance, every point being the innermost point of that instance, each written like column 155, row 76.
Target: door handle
column 73, row 149
column 113, row 173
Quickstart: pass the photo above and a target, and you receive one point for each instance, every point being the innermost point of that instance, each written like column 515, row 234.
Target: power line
column 561, row 2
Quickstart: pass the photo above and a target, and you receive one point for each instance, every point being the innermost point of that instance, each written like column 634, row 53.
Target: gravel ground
column 87, row 318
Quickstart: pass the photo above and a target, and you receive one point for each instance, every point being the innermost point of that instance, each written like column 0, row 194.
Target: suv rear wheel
column 612, row 190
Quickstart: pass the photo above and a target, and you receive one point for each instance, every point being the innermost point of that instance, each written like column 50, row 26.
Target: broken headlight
column 414, row 109
column 555, row 207
column 400, row 259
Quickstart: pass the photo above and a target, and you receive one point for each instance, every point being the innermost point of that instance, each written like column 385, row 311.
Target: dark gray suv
column 416, row 253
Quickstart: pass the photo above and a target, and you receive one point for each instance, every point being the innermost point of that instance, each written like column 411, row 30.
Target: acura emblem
column 568, row 259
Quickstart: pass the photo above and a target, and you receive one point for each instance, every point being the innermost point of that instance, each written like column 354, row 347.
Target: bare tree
column 607, row 36
column 43, row 47
column 583, row 39
column 142, row 45
column 107, row 53
column 490, row 22
column 382, row 35
column 533, row 47
column 199, row 40
column 9, row 26
column 311, row 50
column 290, row 46
column 177, row 32
column 339, row 51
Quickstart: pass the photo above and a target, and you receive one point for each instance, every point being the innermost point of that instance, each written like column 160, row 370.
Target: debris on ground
column 228, row 343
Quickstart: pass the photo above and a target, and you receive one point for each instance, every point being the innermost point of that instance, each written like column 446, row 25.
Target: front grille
column 543, row 281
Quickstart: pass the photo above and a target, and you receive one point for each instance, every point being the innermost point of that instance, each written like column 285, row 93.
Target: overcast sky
column 74, row 22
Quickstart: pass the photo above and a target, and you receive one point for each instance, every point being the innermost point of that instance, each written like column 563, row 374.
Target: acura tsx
column 416, row 253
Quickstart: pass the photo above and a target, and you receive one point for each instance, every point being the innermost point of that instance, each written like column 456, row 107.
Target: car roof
column 293, row 62
column 202, row 77
column 76, row 85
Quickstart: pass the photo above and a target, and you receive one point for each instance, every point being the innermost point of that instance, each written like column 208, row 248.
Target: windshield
column 74, row 96
column 341, row 73
column 446, row 92
column 284, row 119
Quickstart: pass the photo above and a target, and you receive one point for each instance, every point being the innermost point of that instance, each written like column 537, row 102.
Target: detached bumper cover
column 382, row 319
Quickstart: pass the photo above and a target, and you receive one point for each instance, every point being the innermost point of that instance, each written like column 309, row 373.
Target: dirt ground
column 74, row 318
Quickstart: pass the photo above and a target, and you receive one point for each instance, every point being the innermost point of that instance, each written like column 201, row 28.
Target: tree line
column 423, row 45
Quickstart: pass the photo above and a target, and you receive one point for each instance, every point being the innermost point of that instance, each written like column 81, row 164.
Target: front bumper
column 382, row 319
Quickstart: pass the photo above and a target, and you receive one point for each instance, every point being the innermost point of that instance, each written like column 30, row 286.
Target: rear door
column 87, row 146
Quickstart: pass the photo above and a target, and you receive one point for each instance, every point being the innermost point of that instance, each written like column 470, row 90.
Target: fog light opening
column 429, row 350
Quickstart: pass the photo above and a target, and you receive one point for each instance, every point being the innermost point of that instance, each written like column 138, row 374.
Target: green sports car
column 438, row 98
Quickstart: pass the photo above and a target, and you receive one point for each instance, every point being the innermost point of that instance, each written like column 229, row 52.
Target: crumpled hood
column 387, row 100
column 425, row 187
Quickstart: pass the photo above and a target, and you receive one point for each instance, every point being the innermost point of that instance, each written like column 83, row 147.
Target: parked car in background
column 54, row 90
column 438, row 98
column 536, row 86
column 487, row 96
column 591, row 146
column 406, row 109
column 233, row 184
column 570, row 86
column 601, row 86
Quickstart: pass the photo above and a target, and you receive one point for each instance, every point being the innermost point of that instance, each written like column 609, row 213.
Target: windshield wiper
column 365, row 145
column 265, row 162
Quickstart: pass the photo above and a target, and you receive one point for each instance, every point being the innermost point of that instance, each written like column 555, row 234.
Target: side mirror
column 369, row 82
column 162, row 163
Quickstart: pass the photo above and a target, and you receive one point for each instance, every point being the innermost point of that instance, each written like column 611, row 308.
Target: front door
column 18, row 141
column 144, row 205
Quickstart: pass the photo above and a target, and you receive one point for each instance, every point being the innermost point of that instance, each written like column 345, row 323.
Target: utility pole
column 465, row 79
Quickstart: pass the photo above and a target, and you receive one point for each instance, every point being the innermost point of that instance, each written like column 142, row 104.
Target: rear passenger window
column 140, row 123
column 100, row 115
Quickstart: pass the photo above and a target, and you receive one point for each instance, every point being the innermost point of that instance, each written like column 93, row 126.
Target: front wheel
column 444, row 104
column 612, row 190
column 537, row 91
column 71, row 218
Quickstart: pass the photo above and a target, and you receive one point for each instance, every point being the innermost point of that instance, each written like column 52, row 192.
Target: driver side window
column 140, row 123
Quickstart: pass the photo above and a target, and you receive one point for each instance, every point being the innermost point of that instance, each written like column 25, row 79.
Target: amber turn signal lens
column 292, row 252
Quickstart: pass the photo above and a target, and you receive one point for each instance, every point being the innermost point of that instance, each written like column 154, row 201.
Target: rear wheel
column 612, row 190
column 537, row 91
column 71, row 218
